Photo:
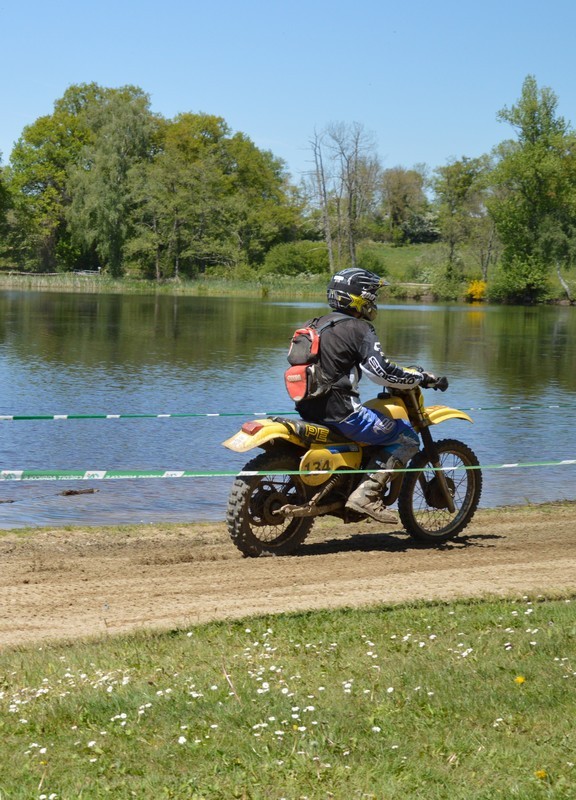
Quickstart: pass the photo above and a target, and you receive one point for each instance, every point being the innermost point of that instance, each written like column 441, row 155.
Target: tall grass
column 428, row 701
column 104, row 284
column 304, row 287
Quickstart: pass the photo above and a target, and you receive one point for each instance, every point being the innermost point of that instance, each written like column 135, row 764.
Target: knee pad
column 405, row 447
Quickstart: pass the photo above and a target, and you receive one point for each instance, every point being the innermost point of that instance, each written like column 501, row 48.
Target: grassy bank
column 312, row 288
column 104, row 284
column 416, row 272
column 431, row 701
column 404, row 267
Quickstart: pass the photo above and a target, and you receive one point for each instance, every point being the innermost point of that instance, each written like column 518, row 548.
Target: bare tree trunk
column 563, row 283
column 487, row 256
column 339, row 231
column 348, row 192
column 176, row 239
column 323, row 197
column 157, row 254
column 356, row 173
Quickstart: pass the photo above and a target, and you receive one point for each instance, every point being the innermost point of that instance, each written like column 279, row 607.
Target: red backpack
column 304, row 379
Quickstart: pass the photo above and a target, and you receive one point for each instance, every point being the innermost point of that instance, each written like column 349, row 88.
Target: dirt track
column 68, row 583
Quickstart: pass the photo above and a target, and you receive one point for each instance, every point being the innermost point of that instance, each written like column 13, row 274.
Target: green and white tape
column 246, row 414
column 121, row 474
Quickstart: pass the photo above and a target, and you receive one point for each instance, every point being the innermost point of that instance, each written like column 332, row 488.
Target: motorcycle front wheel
column 253, row 525
column 422, row 505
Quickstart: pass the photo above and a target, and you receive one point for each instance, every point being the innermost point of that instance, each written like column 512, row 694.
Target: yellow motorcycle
column 307, row 471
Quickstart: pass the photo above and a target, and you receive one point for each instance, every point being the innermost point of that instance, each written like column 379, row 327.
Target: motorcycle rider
column 347, row 350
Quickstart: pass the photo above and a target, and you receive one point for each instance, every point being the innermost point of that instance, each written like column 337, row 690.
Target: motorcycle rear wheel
column 421, row 505
column 253, row 499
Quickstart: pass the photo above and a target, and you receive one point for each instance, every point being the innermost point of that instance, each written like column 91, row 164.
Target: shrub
column 294, row 258
column 370, row 257
column 476, row 291
column 522, row 282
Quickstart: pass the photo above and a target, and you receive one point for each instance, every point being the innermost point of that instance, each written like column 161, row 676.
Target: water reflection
column 94, row 354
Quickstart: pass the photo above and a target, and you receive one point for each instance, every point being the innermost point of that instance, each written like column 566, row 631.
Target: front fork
column 434, row 458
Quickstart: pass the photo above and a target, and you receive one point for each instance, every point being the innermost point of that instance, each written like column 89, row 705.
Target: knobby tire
column 252, row 526
column 421, row 507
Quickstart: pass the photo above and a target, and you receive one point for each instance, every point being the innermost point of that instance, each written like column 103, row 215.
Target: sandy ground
column 61, row 584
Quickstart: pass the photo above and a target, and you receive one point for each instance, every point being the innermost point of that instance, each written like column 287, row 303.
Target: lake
column 221, row 361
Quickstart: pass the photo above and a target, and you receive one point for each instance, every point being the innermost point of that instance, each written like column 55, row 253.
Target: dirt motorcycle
column 308, row 470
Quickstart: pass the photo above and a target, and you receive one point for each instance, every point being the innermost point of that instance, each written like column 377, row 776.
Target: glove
column 427, row 379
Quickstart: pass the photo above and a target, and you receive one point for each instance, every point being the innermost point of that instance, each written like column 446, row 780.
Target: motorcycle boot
column 367, row 497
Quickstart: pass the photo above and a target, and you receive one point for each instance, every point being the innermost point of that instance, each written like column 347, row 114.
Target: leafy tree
column 265, row 209
column 38, row 179
column 404, row 204
column 421, row 227
column 4, row 197
column 209, row 200
column 181, row 223
column 123, row 130
column 4, row 205
column 534, row 207
column 460, row 202
column 102, row 179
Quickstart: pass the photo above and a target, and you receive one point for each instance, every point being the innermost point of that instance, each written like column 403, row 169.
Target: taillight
column 252, row 427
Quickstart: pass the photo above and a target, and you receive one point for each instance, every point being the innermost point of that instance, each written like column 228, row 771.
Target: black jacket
column 346, row 350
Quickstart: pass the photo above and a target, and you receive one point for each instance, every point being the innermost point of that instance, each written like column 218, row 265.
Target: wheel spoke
column 422, row 504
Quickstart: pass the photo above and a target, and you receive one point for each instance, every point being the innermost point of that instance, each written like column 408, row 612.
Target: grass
column 402, row 264
column 431, row 701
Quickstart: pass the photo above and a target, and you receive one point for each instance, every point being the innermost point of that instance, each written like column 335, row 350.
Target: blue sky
column 425, row 79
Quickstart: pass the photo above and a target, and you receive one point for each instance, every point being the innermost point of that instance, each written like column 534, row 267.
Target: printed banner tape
column 110, row 474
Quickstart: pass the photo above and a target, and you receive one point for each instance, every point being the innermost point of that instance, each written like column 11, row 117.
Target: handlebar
column 431, row 382
column 440, row 384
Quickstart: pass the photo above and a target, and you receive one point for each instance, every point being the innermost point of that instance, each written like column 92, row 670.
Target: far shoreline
column 268, row 287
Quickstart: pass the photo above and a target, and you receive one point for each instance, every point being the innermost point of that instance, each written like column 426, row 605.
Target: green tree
column 102, row 180
column 534, row 207
column 459, row 189
column 4, row 205
column 404, row 203
column 297, row 258
column 265, row 209
column 209, row 200
column 38, row 179
column 124, row 131
column 181, row 222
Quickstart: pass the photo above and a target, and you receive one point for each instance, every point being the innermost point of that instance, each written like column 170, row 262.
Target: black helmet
column 355, row 289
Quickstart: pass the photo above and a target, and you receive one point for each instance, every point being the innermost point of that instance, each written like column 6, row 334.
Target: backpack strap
column 334, row 319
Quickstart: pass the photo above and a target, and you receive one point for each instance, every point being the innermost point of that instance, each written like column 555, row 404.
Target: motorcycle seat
column 312, row 432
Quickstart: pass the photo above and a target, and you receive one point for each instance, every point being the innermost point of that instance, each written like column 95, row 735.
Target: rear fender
column 257, row 433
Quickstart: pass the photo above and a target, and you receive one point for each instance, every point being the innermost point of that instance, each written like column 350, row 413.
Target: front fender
column 395, row 407
column 437, row 414
column 258, row 432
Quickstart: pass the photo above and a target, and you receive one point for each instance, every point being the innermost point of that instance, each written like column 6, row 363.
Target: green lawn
column 431, row 701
